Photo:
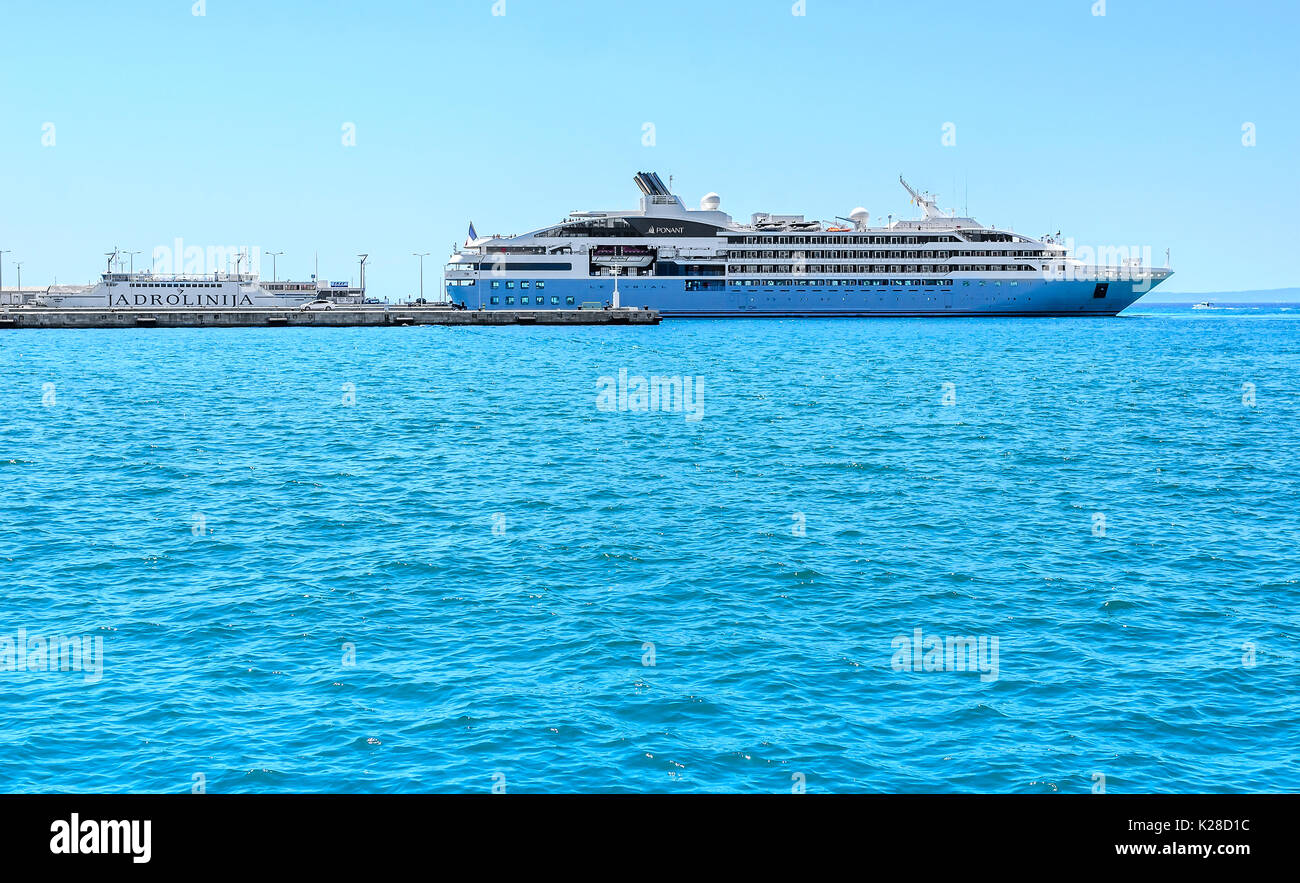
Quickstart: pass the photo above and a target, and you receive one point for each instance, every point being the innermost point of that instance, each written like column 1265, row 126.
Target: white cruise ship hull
column 977, row 297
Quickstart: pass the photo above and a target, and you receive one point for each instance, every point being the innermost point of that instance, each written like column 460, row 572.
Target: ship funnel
column 651, row 184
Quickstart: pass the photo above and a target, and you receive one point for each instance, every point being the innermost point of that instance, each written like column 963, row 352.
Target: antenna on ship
column 112, row 255
column 363, row 270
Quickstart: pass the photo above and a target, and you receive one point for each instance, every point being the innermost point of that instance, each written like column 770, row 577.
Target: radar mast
column 924, row 200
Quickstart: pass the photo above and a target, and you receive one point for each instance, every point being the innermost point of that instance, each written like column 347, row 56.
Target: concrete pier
column 33, row 317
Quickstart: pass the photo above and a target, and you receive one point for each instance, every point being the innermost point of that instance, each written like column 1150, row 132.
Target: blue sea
column 1006, row 555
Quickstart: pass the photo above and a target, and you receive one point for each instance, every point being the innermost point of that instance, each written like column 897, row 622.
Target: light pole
column 2, row 266
column 421, row 255
column 133, row 254
column 20, row 279
column 274, row 255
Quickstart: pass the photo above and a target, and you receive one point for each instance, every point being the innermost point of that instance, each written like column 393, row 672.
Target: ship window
column 496, row 300
column 523, row 284
column 496, row 284
column 510, row 301
column 510, row 285
column 555, row 300
column 523, row 299
column 569, row 300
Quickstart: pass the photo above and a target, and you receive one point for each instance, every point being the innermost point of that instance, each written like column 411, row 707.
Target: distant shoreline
column 1259, row 296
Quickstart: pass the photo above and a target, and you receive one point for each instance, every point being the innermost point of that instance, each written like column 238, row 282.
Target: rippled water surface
column 473, row 575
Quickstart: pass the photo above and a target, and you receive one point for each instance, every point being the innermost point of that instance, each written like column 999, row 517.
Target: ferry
column 209, row 291
column 701, row 263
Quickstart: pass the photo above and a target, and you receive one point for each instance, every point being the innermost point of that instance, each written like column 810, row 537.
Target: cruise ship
column 700, row 263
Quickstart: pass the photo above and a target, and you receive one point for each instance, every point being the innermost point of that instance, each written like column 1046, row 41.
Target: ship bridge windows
column 592, row 227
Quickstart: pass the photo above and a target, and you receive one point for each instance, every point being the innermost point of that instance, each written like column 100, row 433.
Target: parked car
column 318, row 305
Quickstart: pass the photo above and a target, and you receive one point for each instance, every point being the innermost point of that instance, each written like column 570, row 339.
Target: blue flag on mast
column 472, row 234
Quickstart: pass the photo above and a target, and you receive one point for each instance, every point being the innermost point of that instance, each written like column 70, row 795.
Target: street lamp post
column 20, row 280
column 421, row 255
column 274, row 255
column 133, row 254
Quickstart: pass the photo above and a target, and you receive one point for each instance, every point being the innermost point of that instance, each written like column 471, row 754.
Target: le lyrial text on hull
column 700, row 263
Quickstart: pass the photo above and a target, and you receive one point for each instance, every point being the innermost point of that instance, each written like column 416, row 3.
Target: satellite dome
column 710, row 202
column 859, row 214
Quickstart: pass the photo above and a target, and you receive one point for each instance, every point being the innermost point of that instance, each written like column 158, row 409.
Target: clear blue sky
column 226, row 129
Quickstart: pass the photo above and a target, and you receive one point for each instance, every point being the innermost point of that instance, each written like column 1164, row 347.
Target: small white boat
column 1203, row 305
